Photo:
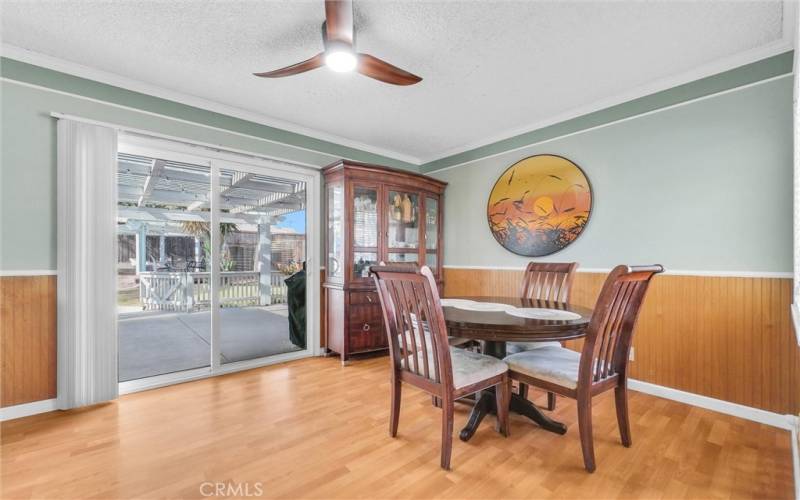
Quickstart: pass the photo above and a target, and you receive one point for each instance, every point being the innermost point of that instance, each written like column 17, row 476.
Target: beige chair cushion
column 553, row 364
column 515, row 347
column 468, row 367
column 471, row 367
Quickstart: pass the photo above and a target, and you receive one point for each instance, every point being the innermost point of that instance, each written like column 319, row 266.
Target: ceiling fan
column 340, row 54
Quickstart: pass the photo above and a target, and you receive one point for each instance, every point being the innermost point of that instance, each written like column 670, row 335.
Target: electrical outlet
column 630, row 356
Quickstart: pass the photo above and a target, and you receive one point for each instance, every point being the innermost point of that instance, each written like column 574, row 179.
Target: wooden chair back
column 608, row 337
column 550, row 281
column 415, row 325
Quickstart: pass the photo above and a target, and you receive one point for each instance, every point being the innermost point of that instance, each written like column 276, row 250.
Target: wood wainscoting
column 27, row 339
column 728, row 338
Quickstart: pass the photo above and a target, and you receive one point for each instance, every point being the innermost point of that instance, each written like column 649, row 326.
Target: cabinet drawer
column 365, row 298
column 368, row 326
column 367, row 335
column 364, row 312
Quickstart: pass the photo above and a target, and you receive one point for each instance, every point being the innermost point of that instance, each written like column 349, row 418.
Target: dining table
column 494, row 321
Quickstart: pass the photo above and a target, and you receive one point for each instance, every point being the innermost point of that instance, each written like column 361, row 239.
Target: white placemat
column 540, row 313
column 456, row 302
column 485, row 306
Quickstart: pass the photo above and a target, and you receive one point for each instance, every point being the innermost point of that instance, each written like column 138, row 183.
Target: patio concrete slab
column 246, row 333
column 164, row 343
column 157, row 345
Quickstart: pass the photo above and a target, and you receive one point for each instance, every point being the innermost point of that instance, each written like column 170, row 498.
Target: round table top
column 502, row 327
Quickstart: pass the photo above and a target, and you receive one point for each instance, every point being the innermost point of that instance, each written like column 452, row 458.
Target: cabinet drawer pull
column 365, row 327
column 369, row 299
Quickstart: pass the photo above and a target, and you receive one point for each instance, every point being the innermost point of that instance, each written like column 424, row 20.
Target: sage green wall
column 702, row 186
column 705, row 186
column 28, row 137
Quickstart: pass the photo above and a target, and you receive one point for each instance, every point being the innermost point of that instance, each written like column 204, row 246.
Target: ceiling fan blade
column 339, row 21
column 301, row 67
column 375, row 68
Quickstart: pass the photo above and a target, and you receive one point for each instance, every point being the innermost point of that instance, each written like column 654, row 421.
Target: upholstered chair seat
column 552, row 364
column 515, row 347
column 468, row 367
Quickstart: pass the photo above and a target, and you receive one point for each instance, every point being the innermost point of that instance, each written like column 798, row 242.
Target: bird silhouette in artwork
column 512, row 176
column 499, row 213
column 520, row 203
column 499, row 202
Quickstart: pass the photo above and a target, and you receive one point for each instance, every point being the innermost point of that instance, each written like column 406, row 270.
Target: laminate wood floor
column 313, row 429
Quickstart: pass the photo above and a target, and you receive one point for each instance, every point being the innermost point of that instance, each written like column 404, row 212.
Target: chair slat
column 417, row 307
column 548, row 281
column 408, row 327
column 609, row 335
column 414, row 313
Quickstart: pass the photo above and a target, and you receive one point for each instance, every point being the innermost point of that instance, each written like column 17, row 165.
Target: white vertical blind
column 87, row 325
column 796, row 253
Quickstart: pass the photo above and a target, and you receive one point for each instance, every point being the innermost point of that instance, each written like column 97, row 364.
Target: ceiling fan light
column 340, row 61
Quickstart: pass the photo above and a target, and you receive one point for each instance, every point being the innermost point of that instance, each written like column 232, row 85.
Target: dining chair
column 602, row 364
column 453, row 341
column 545, row 281
column 422, row 357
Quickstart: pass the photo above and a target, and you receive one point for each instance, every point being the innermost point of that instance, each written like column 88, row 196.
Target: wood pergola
column 157, row 196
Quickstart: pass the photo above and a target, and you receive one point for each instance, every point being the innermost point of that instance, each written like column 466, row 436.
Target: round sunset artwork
column 539, row 205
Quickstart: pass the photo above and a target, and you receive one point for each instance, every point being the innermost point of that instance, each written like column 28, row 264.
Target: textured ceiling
column 489, row 68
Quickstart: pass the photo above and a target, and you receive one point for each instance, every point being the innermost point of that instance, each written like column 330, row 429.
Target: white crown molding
column 79, row 70
column 668, row 272
column 788, row 422
column 28, row 272
column 27, row 409
column 785, row 44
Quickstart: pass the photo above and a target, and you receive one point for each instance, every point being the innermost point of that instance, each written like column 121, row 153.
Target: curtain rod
column 180, row 140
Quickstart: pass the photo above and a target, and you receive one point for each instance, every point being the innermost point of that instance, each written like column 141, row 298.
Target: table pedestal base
column 486, row 405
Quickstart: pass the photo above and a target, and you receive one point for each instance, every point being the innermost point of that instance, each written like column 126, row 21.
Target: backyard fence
column 191, row 291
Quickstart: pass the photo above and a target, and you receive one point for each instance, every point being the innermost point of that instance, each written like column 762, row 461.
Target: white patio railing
column 191, row 291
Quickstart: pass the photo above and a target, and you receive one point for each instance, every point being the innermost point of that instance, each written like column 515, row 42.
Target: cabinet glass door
column 335, row 240
column 431, row 232
column 365, row 230
column 403, row 235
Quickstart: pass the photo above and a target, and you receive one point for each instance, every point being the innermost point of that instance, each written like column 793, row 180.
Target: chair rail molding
column 28, row 272
column 668, row 272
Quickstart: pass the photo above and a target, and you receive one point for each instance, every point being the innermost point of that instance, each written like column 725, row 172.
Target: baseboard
column 27, row 409
column 788, row 422
column 796, row 462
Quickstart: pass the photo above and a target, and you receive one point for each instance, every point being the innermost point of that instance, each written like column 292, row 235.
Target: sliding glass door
column 215, row 262
column 262, row 283
column 163, row 288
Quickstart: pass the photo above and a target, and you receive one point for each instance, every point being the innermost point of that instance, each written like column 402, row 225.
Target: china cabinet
column 374, row 214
